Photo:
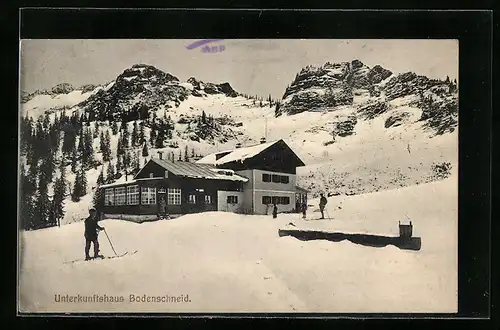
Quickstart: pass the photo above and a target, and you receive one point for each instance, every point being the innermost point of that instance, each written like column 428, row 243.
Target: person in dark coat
column 304, row 209
column 163, row 208
column 275, row 210
column 91, row 227
column 322, row 204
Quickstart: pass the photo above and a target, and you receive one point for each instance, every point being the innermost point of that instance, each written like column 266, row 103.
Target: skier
column 91, row 228
column 322, row 204
column 275, row 211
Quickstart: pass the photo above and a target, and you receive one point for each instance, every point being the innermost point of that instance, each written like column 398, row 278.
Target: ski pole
column 116, row 254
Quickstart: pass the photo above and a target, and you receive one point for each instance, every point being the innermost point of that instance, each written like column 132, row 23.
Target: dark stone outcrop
column 410, row 243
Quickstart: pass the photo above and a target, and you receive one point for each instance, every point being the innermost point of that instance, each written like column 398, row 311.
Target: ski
column 101, row 257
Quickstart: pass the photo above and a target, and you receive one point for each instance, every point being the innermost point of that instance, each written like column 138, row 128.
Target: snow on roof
column 195, row 170
column 114, row 184
column 301, row 190
column 211, row 158
column 241, row 154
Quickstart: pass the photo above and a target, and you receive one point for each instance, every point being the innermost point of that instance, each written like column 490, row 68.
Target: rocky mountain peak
column 143, row 73
column 64, row 88
column 329, row 85
column 201, row 87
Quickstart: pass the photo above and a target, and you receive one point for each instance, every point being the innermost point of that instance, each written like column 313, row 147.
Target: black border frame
column 473, row 29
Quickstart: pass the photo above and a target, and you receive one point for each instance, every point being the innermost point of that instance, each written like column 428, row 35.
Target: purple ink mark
column 202, row 42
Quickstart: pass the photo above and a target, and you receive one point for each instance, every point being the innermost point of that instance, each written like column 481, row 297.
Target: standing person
column 322, row 204
column 163, row 208
column 91, row 228
column 275, row 210
column 304, row 209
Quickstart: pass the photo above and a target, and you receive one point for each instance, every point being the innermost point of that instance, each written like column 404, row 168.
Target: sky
column 253, row 66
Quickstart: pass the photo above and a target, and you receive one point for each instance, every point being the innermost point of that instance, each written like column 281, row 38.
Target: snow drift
column 226, row 262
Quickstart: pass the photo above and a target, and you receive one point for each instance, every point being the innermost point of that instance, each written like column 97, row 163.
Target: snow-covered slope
column 226, row 262
column 387, row 135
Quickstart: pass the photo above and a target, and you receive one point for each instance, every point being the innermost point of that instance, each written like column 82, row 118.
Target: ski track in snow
column 228, row 263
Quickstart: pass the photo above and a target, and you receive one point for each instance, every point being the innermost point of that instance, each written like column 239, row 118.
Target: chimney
column 238, row 145
column 262, row 140
column 160, row 154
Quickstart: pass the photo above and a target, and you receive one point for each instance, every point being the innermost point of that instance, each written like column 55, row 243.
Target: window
column 232, row 199
column 174, row 196
column 192, row 199
column 166, row 174
column 208, row 199
column 275, row 178
column 109, row 196
column 150, row 175
column 266, row 200
column 148, row 196
column 133, row 195
column 275, row 200
column 284, row 200
column 120, row 196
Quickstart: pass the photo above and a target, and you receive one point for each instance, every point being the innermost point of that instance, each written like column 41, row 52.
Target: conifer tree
column 102, row 142
column 125, row 137
column 57, row 213
column 137, row 163
column 145, row 151
column 180, row 156
column 100, row 178
column 192, row 153
column 83, row 182
column 114, row 127
column 119, row 147
column 95, row 131
column 110, row 174
column 81, row 141
column 135, row 135
column 42, row 202
column 88, row 148
column 119, row 164
column 152, row 137
column 47, row 166
column 141, row 138
column 159, row 139
column 98, row 199
column 127, row 161
column 26, row 189
column 106, row 154
column 186, row 157
column 77, row 188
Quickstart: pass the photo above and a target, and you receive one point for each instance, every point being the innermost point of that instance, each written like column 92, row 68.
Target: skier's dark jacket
column 91, row 227
column 323, row 201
